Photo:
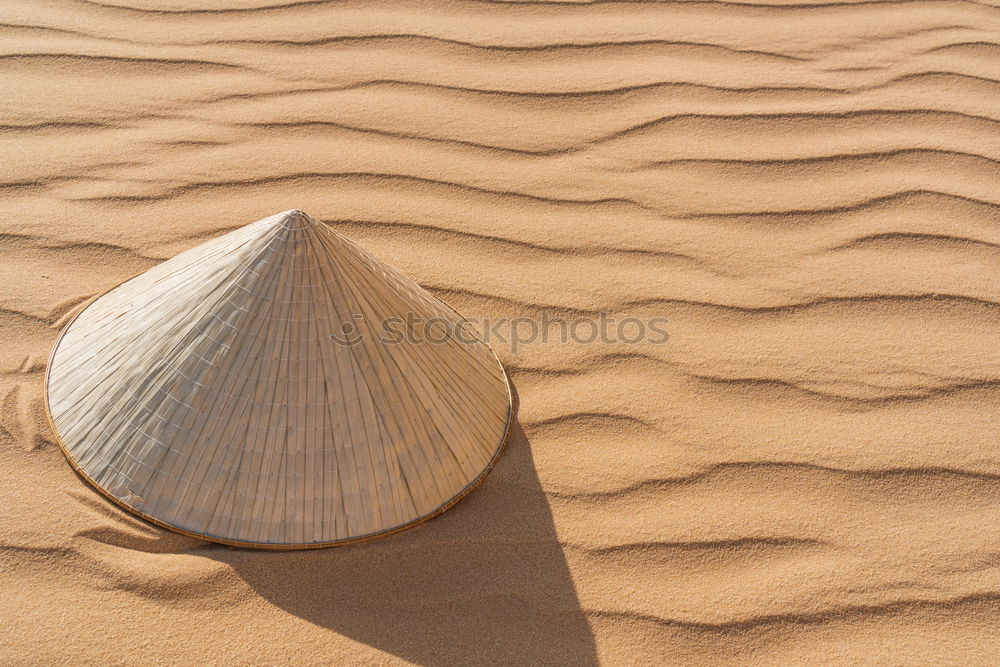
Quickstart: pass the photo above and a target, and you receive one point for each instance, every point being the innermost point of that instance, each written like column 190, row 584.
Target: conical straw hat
column 224, row 394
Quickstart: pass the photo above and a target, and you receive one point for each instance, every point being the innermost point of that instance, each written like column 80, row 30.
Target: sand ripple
column 806, row 191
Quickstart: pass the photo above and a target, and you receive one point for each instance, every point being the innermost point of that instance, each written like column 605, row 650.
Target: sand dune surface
column 806, row 472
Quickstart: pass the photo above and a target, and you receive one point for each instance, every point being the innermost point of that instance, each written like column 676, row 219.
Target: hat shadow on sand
column 485, row 581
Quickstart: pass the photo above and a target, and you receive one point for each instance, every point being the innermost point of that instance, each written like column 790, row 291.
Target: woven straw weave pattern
column 209, row 392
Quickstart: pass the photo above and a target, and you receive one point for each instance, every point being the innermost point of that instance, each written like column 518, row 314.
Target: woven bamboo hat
column 277, row 387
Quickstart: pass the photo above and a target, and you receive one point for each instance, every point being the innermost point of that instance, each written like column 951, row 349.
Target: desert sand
column 806, row 472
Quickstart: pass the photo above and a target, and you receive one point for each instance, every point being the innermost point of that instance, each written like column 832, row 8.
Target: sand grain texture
column 807, row 472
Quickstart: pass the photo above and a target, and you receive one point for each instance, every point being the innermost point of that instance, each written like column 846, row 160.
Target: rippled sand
column 808, row 471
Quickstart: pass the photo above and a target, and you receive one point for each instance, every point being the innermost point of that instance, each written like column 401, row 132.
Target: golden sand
column 806, row 472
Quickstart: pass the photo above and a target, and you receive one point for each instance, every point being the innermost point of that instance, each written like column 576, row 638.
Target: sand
column 805, row 472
